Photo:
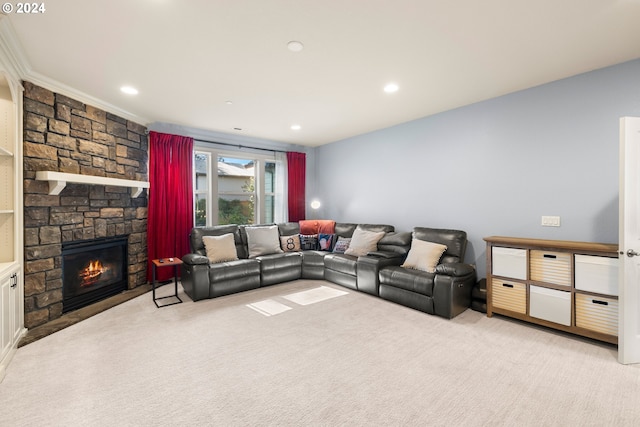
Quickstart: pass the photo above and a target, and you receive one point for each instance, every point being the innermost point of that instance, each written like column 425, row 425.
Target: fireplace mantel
column 58, row 180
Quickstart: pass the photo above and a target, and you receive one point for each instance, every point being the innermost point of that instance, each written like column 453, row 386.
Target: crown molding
column 11, row 56
column 18, row 66
column 57, row 87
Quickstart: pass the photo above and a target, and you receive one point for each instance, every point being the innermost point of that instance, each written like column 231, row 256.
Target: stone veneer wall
column 64, row 135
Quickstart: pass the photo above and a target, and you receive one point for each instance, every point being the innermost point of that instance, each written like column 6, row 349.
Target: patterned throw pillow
column 325, row 241
column 341, row 245
column 290, row 243
column 308, row 242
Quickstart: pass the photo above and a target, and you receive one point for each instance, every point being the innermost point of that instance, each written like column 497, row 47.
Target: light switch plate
column 551, row 221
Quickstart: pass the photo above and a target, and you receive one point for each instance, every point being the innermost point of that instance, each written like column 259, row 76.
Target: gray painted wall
column 492, row 168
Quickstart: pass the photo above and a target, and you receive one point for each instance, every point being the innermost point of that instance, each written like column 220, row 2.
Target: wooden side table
column 165, row 262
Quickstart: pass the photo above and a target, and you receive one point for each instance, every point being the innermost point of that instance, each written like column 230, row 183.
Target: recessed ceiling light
column 228, row 102
column 295, row 46
column 391, row 87
column 129, row 90
column 296, row 127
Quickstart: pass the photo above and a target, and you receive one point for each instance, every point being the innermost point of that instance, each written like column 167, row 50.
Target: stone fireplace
column 65, row 135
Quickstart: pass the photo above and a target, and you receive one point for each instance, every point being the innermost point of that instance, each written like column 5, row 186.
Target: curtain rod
column 239, row 146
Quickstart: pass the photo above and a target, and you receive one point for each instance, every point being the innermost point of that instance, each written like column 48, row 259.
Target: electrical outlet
column 551, row 221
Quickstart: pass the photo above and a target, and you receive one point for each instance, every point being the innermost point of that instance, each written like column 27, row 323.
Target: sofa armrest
column 452, row 286
column 456, row 269
column 195, row 276
column 195, row 259
column 368, row 269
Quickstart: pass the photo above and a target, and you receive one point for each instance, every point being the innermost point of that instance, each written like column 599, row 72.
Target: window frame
column 212, row 192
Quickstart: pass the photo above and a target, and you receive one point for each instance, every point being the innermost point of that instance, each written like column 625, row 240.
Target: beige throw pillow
column 363, row 242
column 220, row 248
column 263, row 240
column 290, row 243
column 424, row 255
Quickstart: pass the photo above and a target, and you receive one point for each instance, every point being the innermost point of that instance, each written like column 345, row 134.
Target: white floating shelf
column 4, row 152
column 6, row 211
column 58, row 180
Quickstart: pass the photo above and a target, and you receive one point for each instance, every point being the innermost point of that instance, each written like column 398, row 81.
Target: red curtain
column 170, row 216
column 296, row 165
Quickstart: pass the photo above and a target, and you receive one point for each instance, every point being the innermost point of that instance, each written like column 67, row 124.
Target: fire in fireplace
column 93, row 270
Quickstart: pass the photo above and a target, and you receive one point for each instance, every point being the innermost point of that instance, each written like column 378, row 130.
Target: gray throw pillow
column 263, row 240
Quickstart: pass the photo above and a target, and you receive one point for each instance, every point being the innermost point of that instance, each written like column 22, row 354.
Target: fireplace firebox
column 93, row 270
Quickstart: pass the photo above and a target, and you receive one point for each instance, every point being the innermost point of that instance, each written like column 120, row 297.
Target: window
column 235, row 189
column 202, row 171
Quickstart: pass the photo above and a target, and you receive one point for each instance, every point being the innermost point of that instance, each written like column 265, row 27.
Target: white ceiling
column 188, row 57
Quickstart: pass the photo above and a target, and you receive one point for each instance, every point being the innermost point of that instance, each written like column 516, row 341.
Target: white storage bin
column 597, row 274
column 550, row 304
column 509, row 262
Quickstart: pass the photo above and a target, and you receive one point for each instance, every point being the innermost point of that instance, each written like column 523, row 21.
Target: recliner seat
column 447, row 291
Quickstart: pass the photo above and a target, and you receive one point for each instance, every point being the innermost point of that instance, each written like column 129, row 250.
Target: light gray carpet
column 348, row 360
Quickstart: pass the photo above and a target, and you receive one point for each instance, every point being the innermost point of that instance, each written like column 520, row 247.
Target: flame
column 91, row 273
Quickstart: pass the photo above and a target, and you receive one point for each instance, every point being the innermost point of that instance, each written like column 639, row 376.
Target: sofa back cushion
column 289, row 228
column 398, row 242
column 344, row 229
column 454, row 240
column 197, row 244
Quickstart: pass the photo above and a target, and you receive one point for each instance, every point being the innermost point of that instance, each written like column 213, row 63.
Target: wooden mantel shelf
column 58, row 180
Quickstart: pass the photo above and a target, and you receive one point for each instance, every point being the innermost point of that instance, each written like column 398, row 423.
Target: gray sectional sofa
column 445, row 292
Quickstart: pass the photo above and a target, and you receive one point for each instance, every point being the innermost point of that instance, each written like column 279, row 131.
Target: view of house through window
column 230, row 189
column 236, row 191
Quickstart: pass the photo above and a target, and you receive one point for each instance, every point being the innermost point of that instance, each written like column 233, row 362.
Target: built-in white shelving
column 59, row 180
column 11, row 241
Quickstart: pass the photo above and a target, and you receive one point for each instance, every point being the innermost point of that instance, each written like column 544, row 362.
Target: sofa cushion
column 455, row 240
column 232, row 270
column 408, row 279
column 342, row 263
column 269, row 263
column 346, row 229
column 197, row 245
column 341, row 245
column 424, row 255
column 363, row 242
column 308, row 242
column 263, row 240
column 220, row 248
column 326, row 241
column 288, row 228
column 290, row 243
